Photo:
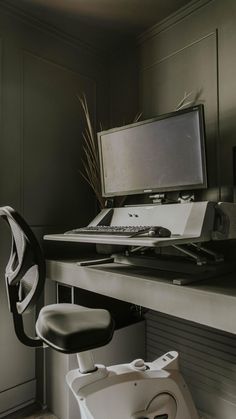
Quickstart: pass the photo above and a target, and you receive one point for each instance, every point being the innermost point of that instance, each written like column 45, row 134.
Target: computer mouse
column 159, row 231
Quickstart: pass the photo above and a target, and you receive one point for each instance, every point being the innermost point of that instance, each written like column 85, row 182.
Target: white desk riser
column 209, row 302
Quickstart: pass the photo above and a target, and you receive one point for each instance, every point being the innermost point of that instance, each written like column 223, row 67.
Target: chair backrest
column 25, row 272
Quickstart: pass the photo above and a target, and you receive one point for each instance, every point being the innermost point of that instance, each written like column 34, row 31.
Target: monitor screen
column 162, row 154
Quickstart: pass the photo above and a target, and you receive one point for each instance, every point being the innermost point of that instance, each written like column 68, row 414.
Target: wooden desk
column 210, row 302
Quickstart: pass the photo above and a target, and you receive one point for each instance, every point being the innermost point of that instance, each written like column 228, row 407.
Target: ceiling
column 101, row 23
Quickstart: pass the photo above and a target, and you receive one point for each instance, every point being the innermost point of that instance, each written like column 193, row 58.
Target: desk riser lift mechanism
column 192, row 225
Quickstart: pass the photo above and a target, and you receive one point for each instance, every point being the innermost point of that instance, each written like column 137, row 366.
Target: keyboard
column 129, row 231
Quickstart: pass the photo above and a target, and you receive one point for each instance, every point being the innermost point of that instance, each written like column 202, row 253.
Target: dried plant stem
column 183, row 103
column 90, row 161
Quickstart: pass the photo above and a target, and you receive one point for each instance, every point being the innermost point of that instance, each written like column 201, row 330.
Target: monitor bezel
column 203, row 185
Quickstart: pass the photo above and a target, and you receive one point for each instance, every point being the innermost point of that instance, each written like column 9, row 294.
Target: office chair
column 138, row 390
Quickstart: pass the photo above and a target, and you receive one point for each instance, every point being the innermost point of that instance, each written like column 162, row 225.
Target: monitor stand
column 196, row 267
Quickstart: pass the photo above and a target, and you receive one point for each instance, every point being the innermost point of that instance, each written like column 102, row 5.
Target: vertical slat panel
column 207, row 360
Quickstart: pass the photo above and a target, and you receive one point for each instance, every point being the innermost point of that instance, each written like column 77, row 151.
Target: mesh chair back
column 25, row 270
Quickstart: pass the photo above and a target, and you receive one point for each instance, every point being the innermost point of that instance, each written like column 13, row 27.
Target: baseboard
column 17, row 397
column 204, row 415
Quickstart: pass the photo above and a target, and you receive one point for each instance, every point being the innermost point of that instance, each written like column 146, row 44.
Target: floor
column 31, row 412
column 38, row 415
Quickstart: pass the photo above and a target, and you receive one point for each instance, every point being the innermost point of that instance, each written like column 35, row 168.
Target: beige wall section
column 40, row 155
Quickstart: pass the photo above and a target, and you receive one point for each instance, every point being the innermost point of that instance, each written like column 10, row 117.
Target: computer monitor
column 166, row 153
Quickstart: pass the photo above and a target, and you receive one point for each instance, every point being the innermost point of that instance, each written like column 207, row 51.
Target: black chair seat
column 70, row 328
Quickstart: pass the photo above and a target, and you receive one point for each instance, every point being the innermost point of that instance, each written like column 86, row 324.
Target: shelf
column 210, row 302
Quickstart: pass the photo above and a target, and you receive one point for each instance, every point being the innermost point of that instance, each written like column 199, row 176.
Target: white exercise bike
column 139, row 390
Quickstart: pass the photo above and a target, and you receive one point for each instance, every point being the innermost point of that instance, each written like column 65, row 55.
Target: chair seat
column 70, row 328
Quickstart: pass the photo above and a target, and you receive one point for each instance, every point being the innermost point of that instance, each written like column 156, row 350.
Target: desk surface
column 210, row 302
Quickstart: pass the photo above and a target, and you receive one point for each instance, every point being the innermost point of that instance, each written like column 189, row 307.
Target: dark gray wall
column 124, row 86
column 195, row 53
column 192, row 52
column 41, row 73
column 40, row 154
column 182, row 56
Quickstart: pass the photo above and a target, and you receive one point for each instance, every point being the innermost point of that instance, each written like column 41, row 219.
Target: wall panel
column 226, row 15
column 13, row 373
column 165, row 82
column 40, row 159
column 1, row 111
column 216, row 73
column 195, row 52
column 54, row 192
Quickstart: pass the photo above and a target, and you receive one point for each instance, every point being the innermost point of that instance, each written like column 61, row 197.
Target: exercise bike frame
column 137, row 390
